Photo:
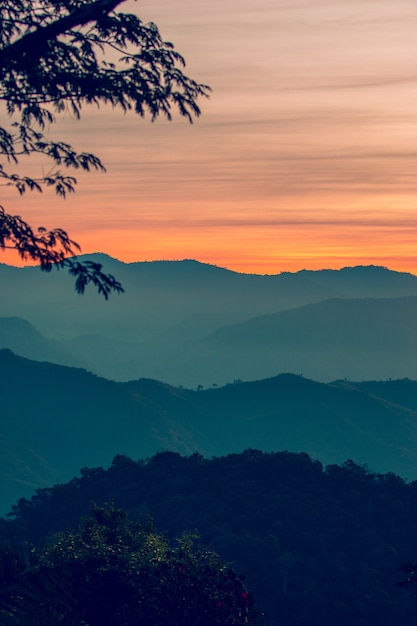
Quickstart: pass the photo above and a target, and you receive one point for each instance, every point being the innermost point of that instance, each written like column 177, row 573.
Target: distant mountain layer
column 56, row 420
column 336, row 338
column 22, row 338
column 193, row 324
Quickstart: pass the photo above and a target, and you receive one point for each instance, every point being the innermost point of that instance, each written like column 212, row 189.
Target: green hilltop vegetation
column 318, row 546
column 112, row 570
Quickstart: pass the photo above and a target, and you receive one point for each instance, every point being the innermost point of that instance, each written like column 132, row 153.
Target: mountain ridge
column 165, row 324
column 102, row 257
column 57, row 419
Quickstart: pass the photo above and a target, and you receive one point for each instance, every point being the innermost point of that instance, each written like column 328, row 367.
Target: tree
column 114, row 571
column 60, row 55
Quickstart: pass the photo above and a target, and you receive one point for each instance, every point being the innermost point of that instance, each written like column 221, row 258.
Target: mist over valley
column 188, row 323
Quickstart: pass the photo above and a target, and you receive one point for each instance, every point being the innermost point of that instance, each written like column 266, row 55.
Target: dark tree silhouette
column 114, row 571
column 53, row 58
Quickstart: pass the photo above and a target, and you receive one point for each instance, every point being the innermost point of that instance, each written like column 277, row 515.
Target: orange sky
column 304, row 156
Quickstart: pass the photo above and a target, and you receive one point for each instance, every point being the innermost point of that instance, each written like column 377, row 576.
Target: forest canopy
column 114, row 571
column 318, row 546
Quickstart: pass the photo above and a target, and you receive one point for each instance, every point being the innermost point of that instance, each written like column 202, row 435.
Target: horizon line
column 220, row 267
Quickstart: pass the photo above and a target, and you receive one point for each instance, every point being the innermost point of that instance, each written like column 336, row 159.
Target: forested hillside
column 319, row 546
column 57, row 419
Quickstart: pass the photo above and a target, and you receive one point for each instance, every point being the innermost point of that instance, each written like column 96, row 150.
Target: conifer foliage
column 59, row 56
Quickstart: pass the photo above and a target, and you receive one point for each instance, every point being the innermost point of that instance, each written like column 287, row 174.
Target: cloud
column 311, row 128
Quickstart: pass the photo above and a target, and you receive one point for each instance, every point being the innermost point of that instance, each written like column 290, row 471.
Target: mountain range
column 57, row 419
column 192, row 324
column 307, row 382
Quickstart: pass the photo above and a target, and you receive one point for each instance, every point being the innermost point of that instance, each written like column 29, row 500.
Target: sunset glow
column 304, row 156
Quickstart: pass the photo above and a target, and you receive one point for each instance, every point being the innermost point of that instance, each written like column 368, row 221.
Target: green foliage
column 114, row 571
column 59, row 56
column 318, row 546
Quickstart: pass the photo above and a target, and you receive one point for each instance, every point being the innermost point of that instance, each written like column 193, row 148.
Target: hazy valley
column 191, row 324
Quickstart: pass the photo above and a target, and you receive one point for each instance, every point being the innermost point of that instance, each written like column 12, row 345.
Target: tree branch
column 35, row 43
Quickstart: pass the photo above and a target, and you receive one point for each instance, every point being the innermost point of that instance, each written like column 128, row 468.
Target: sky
column 304, row 155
